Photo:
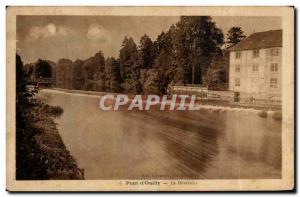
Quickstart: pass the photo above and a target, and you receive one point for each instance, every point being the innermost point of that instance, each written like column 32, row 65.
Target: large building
column 255, row 66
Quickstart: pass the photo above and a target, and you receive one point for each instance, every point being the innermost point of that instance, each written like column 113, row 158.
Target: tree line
column 185, row 54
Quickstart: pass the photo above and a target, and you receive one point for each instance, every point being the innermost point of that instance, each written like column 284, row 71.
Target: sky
column 80, row 37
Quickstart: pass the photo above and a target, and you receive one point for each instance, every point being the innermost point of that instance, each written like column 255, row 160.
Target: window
column 237, row 82
column 238, row 54
column 255, row 68
column 273, row 83
column 255, row 53
column 275, row 52
column 274, row 67
column 237, row 68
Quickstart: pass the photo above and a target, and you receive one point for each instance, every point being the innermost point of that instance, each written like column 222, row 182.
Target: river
column 204, row 144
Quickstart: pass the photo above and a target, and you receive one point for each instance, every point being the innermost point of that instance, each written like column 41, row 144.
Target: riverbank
column 40, row 151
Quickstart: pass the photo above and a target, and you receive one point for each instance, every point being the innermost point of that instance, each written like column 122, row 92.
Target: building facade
column 255, row 66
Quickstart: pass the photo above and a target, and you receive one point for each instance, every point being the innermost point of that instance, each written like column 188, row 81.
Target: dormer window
column 255, row 53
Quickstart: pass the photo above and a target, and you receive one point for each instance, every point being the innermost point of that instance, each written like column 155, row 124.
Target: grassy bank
column 40, row 151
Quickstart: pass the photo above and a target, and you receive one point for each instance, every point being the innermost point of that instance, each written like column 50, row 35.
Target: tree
column 150, row 82
column 113, row 75
column 164, row 64
column 78, row 78
column 28, row 70
column 64, row 73
column 165, row 59
column 221, row 62
column 180, row 55
column 197, row 41
column 94, row 72
column 43, row 69
column 146, row 52
column 130, row 70
column 235, row 35
column 214, row 79
column 20, row 83
column 53, row 71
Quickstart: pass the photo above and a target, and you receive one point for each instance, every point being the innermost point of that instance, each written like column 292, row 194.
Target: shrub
column 53, row 110
column 263, row 114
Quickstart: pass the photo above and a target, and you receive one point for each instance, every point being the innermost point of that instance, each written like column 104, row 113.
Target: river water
column 204, row 144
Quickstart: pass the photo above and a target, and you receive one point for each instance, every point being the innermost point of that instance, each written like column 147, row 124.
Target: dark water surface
column 205, row 144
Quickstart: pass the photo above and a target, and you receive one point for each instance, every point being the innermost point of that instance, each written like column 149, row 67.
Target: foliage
column 129, row 67
column 180, row 55
column 113, row 75
column 197, row 40
column 64, row 74
column 78, row 77
column 55, row 111
column 146, row 52
column 43, row 69
column 93, row 71
column 235, row 35
column 214, row 78
column 20, row 83
column 150, row 82
column 165, row 62
column 40, row 151
column 28, row 71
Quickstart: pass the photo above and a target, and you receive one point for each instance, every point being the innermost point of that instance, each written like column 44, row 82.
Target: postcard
column 150, row 98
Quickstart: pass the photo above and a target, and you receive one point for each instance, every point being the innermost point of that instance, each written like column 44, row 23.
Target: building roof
column 259, row 40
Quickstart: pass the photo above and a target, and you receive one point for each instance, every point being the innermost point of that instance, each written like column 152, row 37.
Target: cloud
column 47, row 31
column 98, row 33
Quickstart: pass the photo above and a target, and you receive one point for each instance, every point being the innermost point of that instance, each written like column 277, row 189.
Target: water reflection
column 155, row 144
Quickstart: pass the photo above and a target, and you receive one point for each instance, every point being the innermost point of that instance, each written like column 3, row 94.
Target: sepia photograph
column 150, row 98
